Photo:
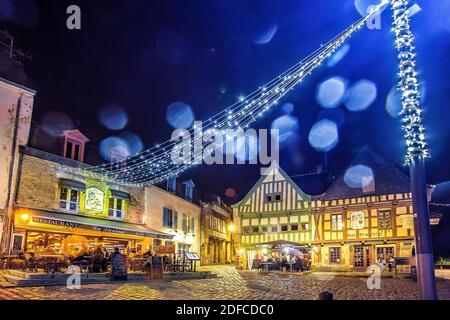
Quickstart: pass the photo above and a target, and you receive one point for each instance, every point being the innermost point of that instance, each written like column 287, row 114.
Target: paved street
column 234, row 285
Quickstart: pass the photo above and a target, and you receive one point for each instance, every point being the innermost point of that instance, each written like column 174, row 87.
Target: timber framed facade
column 343, row 227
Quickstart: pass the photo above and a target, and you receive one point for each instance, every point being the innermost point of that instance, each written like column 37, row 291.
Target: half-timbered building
column 362, row 216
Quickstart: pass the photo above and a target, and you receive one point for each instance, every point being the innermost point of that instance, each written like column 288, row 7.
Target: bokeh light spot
column 287, row 108
column 230, row 192
column 360, row 95
column 180, row 115
column 331, row 92
column 133, row 141
column 111, row 147
column 324, row 135
column 113, row 117
column 266, row 35
column 358, row 176
column 338, row 55
column 288, row 128
column 394, row 103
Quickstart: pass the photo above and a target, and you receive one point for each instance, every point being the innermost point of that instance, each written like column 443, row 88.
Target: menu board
column 118, row 267
column 192, row 256
column 157, row 268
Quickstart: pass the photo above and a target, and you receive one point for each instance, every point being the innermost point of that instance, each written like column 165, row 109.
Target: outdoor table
column 265, row 265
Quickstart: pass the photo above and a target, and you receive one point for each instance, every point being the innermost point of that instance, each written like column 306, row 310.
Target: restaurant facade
column 58, row 208
column 350, row 225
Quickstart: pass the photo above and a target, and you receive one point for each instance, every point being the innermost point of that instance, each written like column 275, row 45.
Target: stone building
column 16, row 107
column 55, row 201
column 216, row 231
column 346, row 226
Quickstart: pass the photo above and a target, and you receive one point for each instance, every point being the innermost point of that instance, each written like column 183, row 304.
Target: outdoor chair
column 30, row 263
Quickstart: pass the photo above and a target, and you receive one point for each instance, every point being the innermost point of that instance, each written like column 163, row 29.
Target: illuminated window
column 336, row 222
column 335, row 255
column 305, row 226
column 384, row 219
column 116, row 208
column 69, row 199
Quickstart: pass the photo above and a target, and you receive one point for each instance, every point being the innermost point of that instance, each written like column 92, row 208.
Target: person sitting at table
column 147, row 254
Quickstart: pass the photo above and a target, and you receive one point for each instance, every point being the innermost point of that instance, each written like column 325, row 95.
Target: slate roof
column 313, row 184
column 388, row 178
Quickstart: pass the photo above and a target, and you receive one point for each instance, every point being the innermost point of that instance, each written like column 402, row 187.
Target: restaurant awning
column 44, row 217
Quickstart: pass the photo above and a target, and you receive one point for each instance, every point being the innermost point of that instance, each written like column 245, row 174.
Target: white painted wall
column 156, row 199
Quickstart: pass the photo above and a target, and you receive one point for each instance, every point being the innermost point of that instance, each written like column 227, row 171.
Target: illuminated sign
column 94, row 199
column 357, row 220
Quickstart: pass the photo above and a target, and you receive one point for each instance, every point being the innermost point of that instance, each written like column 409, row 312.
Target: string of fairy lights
column 412, row 124
column 155, row 164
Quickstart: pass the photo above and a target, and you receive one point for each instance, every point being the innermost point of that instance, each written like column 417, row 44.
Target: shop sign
column 169, row 249
column 94, row 199
column 357, row 220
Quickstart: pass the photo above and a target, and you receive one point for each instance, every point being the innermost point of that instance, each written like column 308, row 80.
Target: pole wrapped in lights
column 412, row 123
column 155, row 164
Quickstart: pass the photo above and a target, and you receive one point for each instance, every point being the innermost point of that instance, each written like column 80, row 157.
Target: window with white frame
column 336, row 222
column 116, row 208
column 69, row 199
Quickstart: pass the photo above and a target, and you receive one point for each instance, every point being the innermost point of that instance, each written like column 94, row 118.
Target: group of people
column 389, row 261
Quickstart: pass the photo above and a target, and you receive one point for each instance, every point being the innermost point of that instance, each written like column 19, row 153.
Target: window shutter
column 192, row 225
column 175, row 220
column 165, row 217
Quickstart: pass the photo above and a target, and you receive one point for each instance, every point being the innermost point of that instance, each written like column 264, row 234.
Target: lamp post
column 417, row 149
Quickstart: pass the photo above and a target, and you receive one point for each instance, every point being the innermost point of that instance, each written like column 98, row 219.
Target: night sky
column 145, row 55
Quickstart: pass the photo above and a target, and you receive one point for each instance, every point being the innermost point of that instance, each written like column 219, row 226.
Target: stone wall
column 39, row 187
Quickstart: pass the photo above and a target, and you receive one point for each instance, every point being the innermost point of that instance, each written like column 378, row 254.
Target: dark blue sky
column 145, row 55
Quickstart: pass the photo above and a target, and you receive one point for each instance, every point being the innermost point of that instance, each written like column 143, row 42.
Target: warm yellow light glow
column 264, row 251
column 25, row 216
column 231, row 228
column 241, row 251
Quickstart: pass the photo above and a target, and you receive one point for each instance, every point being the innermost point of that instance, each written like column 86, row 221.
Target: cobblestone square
column 234, row 285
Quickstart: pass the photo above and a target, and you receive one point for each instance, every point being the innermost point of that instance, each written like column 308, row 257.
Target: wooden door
column 361, row 258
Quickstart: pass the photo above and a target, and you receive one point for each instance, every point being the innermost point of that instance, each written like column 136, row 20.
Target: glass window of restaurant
column 38, row 241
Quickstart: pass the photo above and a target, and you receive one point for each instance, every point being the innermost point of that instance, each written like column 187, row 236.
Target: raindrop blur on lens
column 338, row 55
column 54, row 123
column 358, row 176
column 287, row 127
column 266, row 35
column 324, row 135
column 180, row 115
column 331, row 92
column 360, row 95
column 114, row 148
column 113, row 117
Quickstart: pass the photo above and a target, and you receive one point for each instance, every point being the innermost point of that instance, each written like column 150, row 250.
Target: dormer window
column 74, row 142
column 172, row 184
column 189, row 190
